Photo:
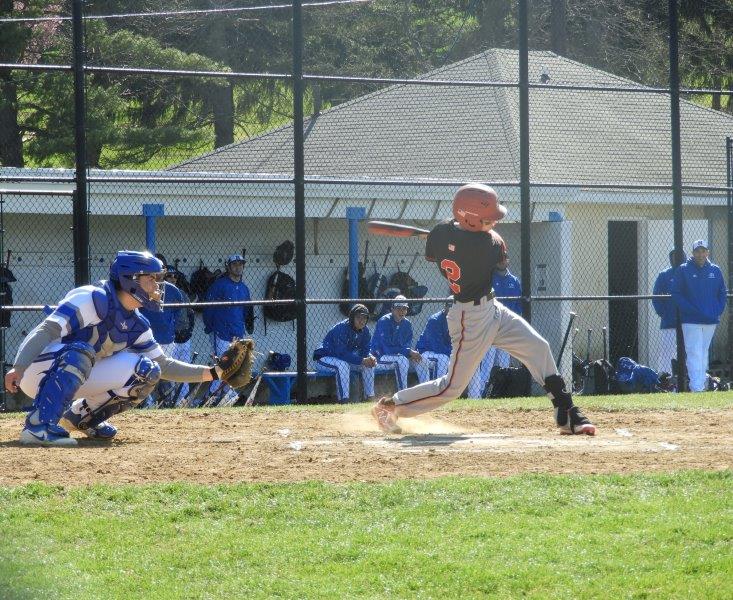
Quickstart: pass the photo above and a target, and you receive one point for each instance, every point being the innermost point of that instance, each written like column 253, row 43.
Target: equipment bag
column 509, row 382
column 280, row 286
column 601, row 379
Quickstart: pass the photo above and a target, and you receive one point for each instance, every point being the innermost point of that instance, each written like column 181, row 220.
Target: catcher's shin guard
column 139, row 385
column 68, row 372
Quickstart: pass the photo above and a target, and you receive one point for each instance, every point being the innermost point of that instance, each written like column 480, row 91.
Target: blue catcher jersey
column 93, row 314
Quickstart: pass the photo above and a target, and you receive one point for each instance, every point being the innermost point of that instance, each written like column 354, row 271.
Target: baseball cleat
column 573, row 422
column 45, row 434
column 384, row 413
column 103, row 431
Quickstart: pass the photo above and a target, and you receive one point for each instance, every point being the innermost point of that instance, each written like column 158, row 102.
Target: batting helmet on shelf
column 475, row 203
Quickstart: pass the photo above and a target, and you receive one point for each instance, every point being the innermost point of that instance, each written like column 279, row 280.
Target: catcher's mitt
column 236, row 363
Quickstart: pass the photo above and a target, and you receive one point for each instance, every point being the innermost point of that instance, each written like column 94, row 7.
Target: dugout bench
column 280, row 385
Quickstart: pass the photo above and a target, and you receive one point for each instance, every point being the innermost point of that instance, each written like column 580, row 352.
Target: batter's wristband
column 214, row 374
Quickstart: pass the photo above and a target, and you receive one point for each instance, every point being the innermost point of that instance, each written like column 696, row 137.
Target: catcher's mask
column 475, row 203
column 357, row 309
column 126, row 269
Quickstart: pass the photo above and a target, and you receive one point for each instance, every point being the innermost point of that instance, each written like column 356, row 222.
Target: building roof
column 408, row 131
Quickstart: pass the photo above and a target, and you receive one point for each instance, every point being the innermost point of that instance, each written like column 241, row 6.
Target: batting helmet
column 475, row 203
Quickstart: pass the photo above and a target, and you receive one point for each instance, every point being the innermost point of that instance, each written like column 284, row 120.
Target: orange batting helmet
column 475, row 203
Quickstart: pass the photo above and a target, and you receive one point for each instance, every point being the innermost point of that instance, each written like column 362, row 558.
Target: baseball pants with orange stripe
column 474, row 328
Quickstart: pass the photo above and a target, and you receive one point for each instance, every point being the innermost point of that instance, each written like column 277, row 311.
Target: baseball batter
column 95, row 355
column 467, row 250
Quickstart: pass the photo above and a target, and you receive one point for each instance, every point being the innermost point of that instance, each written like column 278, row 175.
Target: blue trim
column 151, row 212
column 339, row 389
column 70, row 313
column 354, row 214
column 394, row 365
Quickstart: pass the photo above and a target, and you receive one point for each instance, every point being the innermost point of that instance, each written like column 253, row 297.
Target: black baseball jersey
column 467, row 259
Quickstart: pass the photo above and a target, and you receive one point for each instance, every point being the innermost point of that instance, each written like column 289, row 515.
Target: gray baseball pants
column 473, row 329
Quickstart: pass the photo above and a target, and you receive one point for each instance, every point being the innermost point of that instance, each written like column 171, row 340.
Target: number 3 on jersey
column 453, row 274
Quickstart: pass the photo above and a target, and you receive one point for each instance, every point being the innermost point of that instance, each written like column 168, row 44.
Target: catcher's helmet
column 474, row 203
column 125, row 269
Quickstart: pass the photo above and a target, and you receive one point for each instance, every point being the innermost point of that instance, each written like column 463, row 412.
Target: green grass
column 652, row 536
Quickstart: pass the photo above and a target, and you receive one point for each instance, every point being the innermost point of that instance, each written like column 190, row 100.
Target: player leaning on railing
column 95, row 356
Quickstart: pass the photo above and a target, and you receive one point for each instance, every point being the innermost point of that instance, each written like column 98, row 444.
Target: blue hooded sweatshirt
column 699, row 292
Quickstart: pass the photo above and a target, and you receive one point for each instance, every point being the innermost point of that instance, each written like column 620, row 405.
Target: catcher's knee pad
column 68, row 372
column 555, row 385
column 143, row 379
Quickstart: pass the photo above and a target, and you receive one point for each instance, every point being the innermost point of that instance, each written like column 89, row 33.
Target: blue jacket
column 164, row 323
column 344, row 342
column 390, row 338
column 435, row 336
column 227, row 321
column 508, row 285
column 665, row 307
column 633, row 377
column 699, row 292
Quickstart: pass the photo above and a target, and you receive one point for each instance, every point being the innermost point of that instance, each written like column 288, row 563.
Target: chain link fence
column 191, row 153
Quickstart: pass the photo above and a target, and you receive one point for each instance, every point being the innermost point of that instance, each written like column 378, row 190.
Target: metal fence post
column 299, row 184
column 729, row 193
column 525, row 209
column 81, row 201
column 674, row 95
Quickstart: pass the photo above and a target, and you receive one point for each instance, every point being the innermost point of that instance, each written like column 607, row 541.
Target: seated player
column 346, row 348
column 434, row 343
column 95, row 355
column 392, row 345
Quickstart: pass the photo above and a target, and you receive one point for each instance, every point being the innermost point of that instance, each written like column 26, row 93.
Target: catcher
column 95, row 356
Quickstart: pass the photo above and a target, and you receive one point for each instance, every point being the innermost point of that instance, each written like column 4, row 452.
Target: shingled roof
column 470, row 133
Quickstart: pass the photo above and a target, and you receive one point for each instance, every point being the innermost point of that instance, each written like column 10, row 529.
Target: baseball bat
column 186, row 402
column 565, row 339
column 251, row 398
column 177, row 391
column 605, row 343
column 587, row 346
column 386, row 256
column 412, row 264
column 395, row 230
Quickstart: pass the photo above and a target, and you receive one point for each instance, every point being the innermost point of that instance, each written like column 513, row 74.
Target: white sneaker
column 45, row 434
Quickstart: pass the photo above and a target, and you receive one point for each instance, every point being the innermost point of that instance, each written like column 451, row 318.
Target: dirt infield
column 225, row 446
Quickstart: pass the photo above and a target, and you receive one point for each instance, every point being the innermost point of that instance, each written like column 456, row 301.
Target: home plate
column 501, row 442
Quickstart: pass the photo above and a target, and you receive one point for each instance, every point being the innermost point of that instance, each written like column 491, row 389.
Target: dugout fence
column 603, row 173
